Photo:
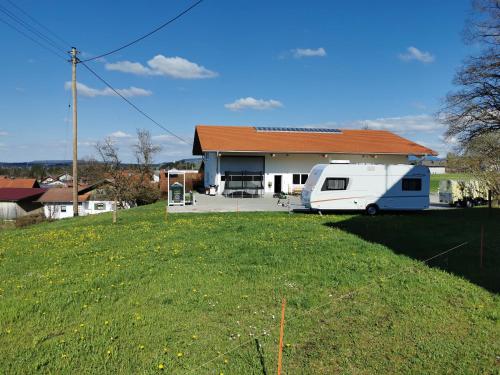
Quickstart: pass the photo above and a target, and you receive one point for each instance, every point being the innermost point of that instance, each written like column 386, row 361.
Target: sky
column 376, row 64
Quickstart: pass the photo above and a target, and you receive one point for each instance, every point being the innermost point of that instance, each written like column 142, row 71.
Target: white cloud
column 3, row 133
column 173, row 67
column 423, row 129
column 308, row 52
column 120, row 134
column 402, row 124
column 90, row 92
column 252, row 103
column 413, row 53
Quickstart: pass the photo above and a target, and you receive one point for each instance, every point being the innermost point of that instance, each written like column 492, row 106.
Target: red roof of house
column 20, row 194
column 7, row 182
column 346, row 141
column 62, row 195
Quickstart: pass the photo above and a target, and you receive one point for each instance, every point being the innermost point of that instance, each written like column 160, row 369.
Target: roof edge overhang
column 433, row 153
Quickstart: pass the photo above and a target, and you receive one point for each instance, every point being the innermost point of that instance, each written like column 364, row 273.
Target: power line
column 65, row 42
column 34, row 40
column 146, row 35
column 30, row 28
column 133, row 105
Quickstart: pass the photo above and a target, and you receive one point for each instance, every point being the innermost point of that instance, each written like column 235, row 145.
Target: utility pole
column 74, row 61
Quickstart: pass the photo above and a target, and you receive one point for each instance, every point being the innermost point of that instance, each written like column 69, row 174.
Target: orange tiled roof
column 349, row 141
column 7, row 182
column 54, row 195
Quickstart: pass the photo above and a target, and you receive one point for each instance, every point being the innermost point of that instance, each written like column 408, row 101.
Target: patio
column 218, row 203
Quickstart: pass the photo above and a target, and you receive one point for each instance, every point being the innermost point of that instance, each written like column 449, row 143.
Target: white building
column 58, row 202
column 270, row 159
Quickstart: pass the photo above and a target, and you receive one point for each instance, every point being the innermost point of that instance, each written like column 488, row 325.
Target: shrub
column 26, row 221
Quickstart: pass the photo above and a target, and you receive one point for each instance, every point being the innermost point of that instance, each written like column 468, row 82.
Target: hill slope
column 192, row 293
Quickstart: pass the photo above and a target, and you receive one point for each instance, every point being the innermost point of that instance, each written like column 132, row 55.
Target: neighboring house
column 17, row 202
column 20, row 183
column 435, row 166
column 272, row 159
column 58, row 202
column 57, row 181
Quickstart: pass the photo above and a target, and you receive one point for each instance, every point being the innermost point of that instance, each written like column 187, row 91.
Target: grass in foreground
column 86, row 296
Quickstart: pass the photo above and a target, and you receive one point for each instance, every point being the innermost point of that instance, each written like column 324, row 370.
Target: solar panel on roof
column 300, row 130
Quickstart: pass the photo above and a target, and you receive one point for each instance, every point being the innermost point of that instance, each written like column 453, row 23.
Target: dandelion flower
column 194, row 337
column 226, row 361
column 141, row 347
column 109, row 352
column 161, row 366
column 180, row 354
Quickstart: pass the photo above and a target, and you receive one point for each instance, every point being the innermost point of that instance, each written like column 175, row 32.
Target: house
column 17, row 202
column 54, row 181
column 436, row 166
column 20, row 183
column 278, row 159
column 58, row 202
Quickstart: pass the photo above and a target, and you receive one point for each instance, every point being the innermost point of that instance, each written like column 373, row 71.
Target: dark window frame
column 325, row 183
column 411, row 184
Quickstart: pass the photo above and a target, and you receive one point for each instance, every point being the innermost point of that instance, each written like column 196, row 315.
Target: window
column 99, row 206
column 63, row 208
column 299, row 179
column 335, row 184
column 412, row 184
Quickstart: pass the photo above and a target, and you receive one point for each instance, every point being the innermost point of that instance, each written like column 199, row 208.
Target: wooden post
column 489, row 201
column 74, row 61
column 282, row 329
column 115, row 208
column 481, row 248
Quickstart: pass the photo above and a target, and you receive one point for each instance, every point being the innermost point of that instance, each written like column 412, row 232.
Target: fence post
column 481, row 248
column 282, row 329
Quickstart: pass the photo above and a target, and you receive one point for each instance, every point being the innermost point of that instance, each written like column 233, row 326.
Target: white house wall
column 288, row 164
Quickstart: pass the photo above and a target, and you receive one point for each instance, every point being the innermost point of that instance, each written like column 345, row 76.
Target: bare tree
column 145, row 190
column 145, row 151
column 472, row 112
column 121, row 186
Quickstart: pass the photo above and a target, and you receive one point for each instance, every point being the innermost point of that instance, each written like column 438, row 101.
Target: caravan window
column 412, row 184
column 335, row 184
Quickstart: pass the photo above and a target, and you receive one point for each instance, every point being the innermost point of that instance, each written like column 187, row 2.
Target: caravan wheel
column 372, row 209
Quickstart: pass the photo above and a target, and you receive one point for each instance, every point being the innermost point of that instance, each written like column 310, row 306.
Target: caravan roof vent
column 340, row 162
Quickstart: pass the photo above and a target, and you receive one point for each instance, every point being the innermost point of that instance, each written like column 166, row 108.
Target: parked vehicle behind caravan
column 370, row 187
column 462, row 193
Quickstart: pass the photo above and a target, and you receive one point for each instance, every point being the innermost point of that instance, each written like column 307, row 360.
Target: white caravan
column 370, row 187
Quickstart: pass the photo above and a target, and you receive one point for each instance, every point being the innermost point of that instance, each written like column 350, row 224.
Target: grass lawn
column 436, row 178
column 192, row 294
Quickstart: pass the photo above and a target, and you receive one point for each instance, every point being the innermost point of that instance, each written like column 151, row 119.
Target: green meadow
column 201, row 294
column 437, row 178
